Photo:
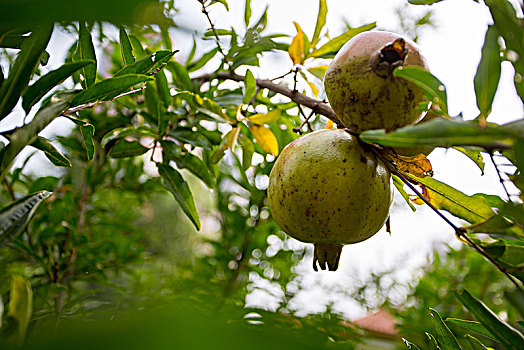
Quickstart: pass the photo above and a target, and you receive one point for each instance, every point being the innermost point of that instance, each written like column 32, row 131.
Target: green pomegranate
column 326, row 189
column 361, row 88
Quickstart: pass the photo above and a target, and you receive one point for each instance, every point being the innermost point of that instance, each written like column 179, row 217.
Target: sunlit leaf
column 23, row 67
column 15, row 216
column 474, row 326
column 51, row 152
column 148, row 64
column 475, row 343
column 176, row 184
column 202, row 61
column 247, row 13
column 321, row 21
column 332, row 46
column 318, row 71
column 250, row 87
column 470, row 208
column 109, row 86
column 399, row 185
column 265, row 138
column 126, row 49
column 265, row 118
column 299, row 48
column 20, row 305
column 474, row 155
column 86, row 51
column 49, row 81
column 441, row 132
column 505, row 334
column 186, row 160
column 445, row 335
column 417, row 165
column 329, row 124
column 433, row 342
column 430, row 85
column 488, row 72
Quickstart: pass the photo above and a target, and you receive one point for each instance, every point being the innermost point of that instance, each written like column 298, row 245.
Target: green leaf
column 442, row 132
column 88, row 131
column 43, row 85
column 152, row 102
column 410, row 345
column 166, row 39
column 250, row 87
column 120, row 133
column 147, row 65
column 186, row 160
column 125, row 149
column 27, row 134
column 109, row 86
column 473, row 209
column 175, row 183
column 430, row 85
column 15, row 216
column 473, row 154
column 51, row 152
column 248, row 149
column 126, row 49
column 202, row 61
column 505, row 334
column 488, row 72
column 181, row 76
column 1, row 310
column 399, row 185
column 496, row 224
column 20, row 305
column 187, row 135
column 332, row 46
column 86, row 51
column 12, row 41
column 445, row 335
column 433, row 342
column 162, row 87
column 321, row 21
column 247, row 13
column 23, row 67
column 474, row 326
column 475, row 343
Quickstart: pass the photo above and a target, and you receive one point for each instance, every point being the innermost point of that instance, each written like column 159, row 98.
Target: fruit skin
column 326, row 189
column 361, row 88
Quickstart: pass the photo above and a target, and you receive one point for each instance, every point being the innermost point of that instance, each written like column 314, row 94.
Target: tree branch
column 316, row 106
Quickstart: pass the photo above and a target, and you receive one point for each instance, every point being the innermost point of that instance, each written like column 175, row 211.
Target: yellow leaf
column 265, row 138
column 313, row 88
column 418, row 165
column 232, row 137
column 298, row 47
column 20, row 305
column 329, row 124
column 318, row 71
column 268, row 118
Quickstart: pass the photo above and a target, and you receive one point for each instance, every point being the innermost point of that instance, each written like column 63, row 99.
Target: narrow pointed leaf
column 250, row 87
column 474, row 155
column 423, row 2
column 247, row 13
column 410, row 345
column 121, row 133
column 126, row 49
column 109, row 86
column 26, row 134
column 446, row 337
column 23, row 68
column 433, row 342
column 126, row 149
column 186, row 160
column 162, row 87
column 248, row 149
column 20, row 305
column 332, row 46
column 399, row 185
column 175, row 183
column 505, row 334
column 441, row 132
column 181, row 76
column 319, row 71
column 86, row 51
column 51, row 152
column 15, row 216
column 299, row 48
column 202, row 61
column 265, row 139
column 148, row 64
column 432, row 87
column 473, row 209
column 265, row 118
column 474, row 326
column 488, row 72
column 43, row 85
column 475, row 343
column 321, row 21
column 88, row 131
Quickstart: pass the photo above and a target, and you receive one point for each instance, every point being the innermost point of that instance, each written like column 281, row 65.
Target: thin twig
column 317, row 106
column 215, row 33
column 502, row 182
column 458, row 231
